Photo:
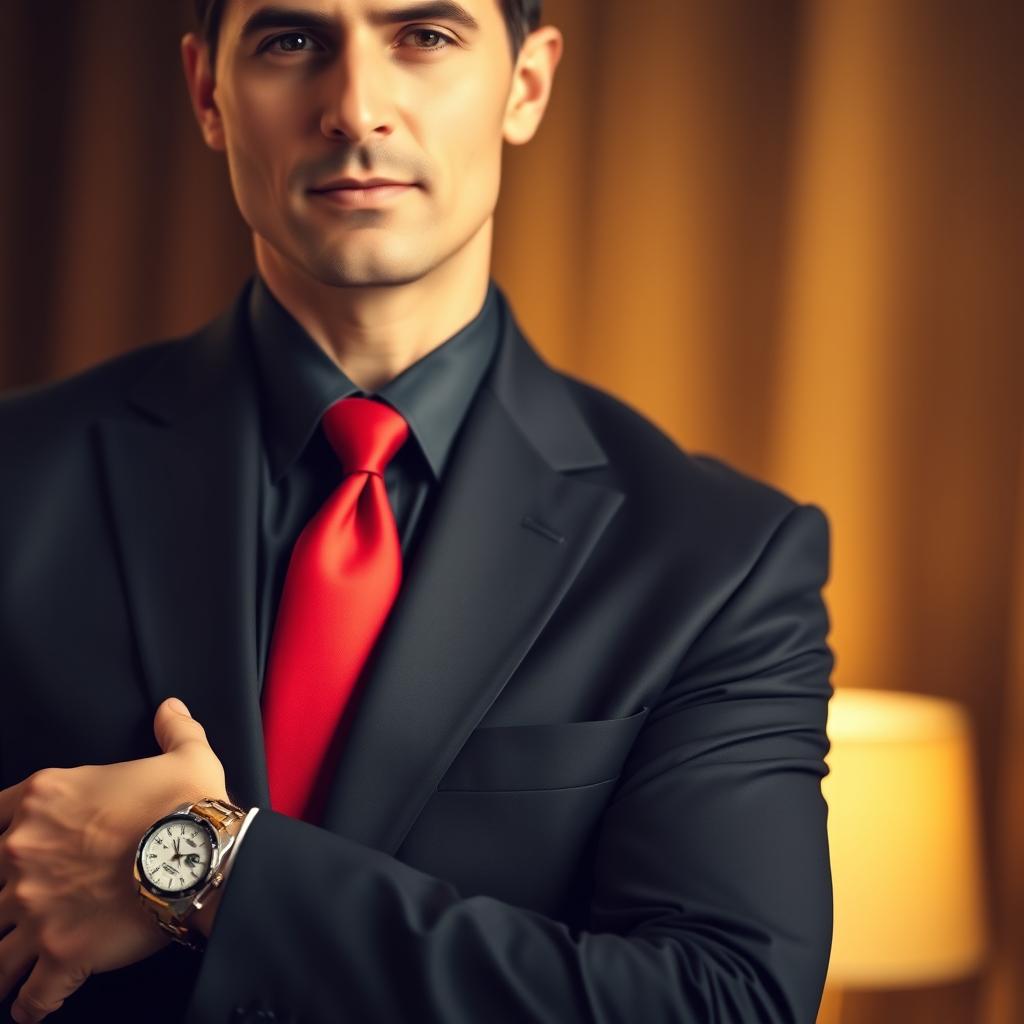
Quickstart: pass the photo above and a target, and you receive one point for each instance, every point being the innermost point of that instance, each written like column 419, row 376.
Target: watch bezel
column 179, row 895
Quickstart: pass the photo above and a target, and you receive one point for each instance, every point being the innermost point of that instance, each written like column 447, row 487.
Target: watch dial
column 177, row 855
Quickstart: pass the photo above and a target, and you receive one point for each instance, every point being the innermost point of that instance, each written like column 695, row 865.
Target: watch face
column 175, row 855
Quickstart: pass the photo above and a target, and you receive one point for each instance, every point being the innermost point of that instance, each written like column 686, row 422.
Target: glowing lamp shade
column 904, row 841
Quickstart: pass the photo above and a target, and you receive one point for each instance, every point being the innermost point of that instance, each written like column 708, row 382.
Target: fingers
column 8, row 917
column 45, row 991
column 16, row 956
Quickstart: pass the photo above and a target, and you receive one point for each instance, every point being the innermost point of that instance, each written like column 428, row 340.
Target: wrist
column 202, row 920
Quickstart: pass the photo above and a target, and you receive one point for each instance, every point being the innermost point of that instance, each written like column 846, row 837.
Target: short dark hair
column 521, row 18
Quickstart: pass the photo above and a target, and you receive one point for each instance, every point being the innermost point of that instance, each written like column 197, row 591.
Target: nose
column 359, row 102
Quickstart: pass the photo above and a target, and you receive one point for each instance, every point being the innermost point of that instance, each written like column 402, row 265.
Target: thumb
column 173, row 725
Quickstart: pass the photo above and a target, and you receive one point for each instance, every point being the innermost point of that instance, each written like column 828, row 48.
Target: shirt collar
column 299, row 381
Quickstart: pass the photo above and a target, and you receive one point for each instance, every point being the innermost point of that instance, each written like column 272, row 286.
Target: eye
column 442, row 41
column 445, row 40
column 287, row 35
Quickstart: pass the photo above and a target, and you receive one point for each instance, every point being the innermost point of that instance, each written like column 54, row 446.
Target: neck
column 373, row 332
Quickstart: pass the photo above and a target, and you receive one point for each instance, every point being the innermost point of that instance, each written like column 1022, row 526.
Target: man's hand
column 66, row 856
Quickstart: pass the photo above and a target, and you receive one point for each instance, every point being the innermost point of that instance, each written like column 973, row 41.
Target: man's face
column 357, row 94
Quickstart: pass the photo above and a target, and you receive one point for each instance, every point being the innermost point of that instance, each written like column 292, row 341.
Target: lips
column 363, row 196
column 356, row 183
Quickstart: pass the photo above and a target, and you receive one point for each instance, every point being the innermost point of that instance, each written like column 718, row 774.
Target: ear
column 532, row 79
column 199, row 77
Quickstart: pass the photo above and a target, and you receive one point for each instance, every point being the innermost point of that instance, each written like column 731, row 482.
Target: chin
column 368, row 269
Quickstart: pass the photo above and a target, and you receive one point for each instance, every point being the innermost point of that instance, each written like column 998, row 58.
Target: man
column 531, row 702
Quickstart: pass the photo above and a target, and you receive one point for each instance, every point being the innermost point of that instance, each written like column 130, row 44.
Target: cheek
column 256, row 129
column 468, row 128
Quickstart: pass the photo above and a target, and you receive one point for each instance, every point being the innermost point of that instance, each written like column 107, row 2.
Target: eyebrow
column 293, row 17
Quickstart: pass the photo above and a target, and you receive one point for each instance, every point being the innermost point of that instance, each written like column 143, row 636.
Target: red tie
column 343, row 577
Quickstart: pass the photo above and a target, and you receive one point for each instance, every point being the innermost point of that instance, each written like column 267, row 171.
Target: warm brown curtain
column 789, row 232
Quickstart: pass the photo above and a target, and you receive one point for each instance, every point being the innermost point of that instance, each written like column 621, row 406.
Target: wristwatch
column 183, row 857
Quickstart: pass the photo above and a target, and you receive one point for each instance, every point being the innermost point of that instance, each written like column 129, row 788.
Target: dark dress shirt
column 298, row 382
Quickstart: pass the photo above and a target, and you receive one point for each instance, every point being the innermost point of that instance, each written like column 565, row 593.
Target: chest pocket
column 556, row 756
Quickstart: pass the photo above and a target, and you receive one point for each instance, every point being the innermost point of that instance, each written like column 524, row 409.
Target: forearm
column 350, row 931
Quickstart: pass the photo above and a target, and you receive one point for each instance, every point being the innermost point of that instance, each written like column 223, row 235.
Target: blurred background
column 788, row 232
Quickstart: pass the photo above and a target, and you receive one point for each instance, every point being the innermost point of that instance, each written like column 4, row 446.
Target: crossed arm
column 712, row 897
column 712, row 889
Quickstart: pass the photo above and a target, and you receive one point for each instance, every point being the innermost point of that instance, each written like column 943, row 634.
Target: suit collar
column 196, row 371
column 299, row 381
column 509, row 519
column 202, row 369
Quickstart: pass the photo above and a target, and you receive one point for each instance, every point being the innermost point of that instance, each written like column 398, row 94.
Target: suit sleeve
column 712, row 898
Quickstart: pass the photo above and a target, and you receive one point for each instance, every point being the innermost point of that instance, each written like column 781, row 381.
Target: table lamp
column 904, row 843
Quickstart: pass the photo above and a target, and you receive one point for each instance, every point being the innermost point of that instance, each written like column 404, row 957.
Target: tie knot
column 364, row 434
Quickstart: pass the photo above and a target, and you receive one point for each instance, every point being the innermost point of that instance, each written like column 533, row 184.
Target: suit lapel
column 509, row 534
column 181, row 469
